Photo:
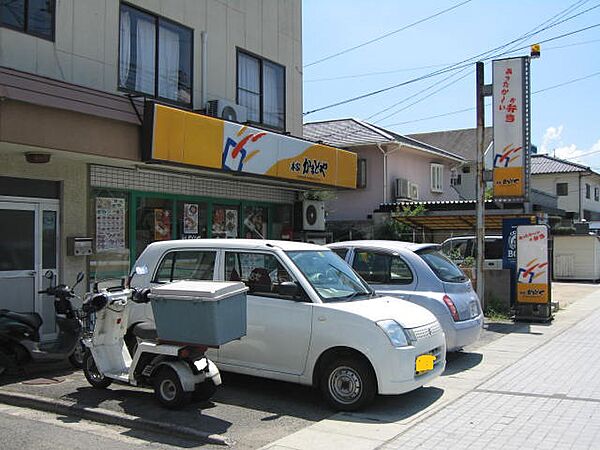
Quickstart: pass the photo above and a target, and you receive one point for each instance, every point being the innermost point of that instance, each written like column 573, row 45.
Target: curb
column 102, row 415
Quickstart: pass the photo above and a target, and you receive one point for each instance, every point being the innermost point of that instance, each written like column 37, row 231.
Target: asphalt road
column 22, row 428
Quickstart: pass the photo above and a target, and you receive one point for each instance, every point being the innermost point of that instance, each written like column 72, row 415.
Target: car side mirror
column 289, row 289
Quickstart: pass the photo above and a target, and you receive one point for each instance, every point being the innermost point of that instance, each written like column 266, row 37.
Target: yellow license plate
column 424, row 363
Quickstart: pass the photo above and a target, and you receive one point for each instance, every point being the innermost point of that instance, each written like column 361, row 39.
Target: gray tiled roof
column 462, row 142
column 541, row 164
column 352, row 132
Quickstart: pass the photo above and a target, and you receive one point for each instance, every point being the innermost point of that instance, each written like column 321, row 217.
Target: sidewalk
column 534, row 389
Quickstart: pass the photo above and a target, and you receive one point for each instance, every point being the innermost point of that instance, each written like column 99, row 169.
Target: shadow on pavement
column 392, row 408
column 457, row 362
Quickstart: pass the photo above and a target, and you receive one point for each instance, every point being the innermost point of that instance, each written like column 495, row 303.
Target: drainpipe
column 385, row 170
column 204, row 69
column 385, row 178
column 579, row 196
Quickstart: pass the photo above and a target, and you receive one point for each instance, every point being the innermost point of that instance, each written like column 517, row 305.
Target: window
column 361, row 173
column 444, row 269
column 596, row 194
column 256, row 222
column 341, row 252
column 262, row 273
column 35, row 17
column 588, row 190
column 186, row 265
column 155, row 56
column 261, row 89
column 437, row 178
column 562, row 189
column 382, row 268
column 455, row 178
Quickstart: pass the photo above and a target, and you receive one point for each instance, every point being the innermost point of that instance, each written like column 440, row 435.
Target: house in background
column 576, row 187
column 462, row 142
column 391, row 167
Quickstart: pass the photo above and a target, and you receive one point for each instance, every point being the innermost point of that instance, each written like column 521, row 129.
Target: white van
column 311, row 318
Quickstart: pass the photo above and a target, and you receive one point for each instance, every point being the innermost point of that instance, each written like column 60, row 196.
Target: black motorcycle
column 20, row 332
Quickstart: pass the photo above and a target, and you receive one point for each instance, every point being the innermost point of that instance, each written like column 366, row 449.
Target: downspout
column 385, row 178
column 204, row 69
column 579, row 196
column 385, row 170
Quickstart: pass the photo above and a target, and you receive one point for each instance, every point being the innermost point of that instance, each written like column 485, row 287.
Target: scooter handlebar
column 140, row 295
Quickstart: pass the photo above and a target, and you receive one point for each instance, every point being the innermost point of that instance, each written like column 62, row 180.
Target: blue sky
column 565, row 120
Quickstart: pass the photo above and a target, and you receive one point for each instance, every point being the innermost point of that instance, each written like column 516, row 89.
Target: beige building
column 112, row 128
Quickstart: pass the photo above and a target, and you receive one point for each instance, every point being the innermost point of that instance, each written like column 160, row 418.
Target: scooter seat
column 145, row 330
column 32, row 319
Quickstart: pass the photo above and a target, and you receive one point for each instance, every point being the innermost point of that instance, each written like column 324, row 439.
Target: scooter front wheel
column 92, row 374
column 168, row 389
column 76, row 358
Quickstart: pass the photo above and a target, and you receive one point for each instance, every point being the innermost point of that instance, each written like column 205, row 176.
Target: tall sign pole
column 480, row 191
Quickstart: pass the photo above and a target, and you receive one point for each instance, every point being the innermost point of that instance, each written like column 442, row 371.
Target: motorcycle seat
column 145, row 331
column 32, row 319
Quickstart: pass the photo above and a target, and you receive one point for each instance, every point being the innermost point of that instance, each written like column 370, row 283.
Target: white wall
column 547, row 183
column 85, row 51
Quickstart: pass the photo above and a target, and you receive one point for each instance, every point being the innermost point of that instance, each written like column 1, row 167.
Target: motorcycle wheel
column 92, row 374
column 76, row 358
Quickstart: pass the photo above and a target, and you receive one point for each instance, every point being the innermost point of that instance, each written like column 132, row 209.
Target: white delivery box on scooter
column 199, row 312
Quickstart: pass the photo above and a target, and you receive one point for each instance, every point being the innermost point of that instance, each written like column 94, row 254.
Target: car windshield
column 330, row 276
column 443, row 267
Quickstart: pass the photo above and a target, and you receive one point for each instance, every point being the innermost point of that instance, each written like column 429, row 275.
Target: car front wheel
column 348, row 383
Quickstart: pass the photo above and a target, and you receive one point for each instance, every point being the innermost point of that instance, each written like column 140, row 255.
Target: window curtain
column 125, row 49
column 249, row 86
column 168, row 63
column 273, row 113
column 146, row 50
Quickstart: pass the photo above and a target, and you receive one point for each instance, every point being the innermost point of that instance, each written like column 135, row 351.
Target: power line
column 552, row 21
column 441, row 88
column 410, row 69
column 459, row 111
column 462, row 64
column 405, row 27
column 368, row 74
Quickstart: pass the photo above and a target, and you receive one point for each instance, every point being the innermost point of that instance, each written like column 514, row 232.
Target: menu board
column 110, row 223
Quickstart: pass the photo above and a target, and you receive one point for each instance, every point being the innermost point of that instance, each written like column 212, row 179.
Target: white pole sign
column 532, row 264
column 509, row 115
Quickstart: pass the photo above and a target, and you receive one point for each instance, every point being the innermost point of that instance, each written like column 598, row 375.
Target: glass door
column 29, row 242
column 19, row 258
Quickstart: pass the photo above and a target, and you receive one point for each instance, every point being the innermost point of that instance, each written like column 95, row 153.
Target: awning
column 462, row 222
column 177, row 137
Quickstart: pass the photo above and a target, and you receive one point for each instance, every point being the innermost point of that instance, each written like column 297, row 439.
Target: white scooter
column 177, row 373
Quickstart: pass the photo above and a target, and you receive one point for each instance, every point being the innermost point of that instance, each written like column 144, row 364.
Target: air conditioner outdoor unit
column 226, row 110
column 401, row 188
column 414, row 191
column 313, row 215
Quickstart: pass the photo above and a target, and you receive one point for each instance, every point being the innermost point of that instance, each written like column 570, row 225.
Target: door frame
column 38, row 206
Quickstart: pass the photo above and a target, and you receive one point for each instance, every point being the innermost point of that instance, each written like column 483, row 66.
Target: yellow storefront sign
column 532, row 293
column 508, row 182
column 182, row 137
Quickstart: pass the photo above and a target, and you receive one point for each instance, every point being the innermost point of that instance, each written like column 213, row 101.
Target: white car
column 311, row 318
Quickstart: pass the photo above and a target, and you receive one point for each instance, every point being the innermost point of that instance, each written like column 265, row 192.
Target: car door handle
column 322, row 318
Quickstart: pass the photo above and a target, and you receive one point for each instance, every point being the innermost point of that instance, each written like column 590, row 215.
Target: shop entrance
column 28, row 249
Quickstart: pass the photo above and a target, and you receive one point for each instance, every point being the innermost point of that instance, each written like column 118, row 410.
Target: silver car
column 421, row 274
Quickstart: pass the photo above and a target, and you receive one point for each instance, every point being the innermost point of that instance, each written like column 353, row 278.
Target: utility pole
column 480, row 191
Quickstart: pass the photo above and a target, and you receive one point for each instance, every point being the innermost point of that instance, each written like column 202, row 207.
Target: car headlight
column 394, row 332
